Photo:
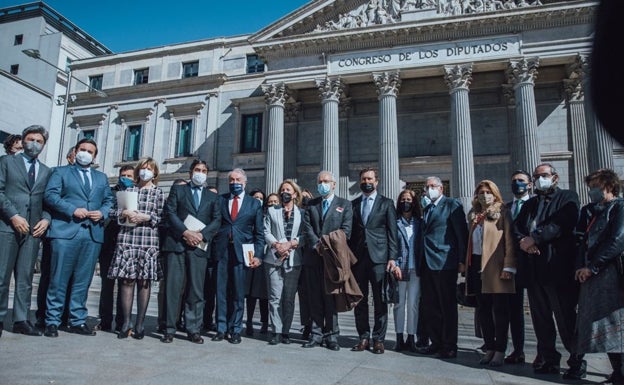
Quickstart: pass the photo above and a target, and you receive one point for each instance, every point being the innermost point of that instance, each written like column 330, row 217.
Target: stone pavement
column 104, row 359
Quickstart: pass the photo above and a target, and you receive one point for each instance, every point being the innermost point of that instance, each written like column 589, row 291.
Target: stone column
column 330, row 91
column 573, row 87
column 508, row 94
column 276, row 96
column 388, row 84
column 154, row 145
column 458, row 79
column 212, row 125
column 110, row 146
column 290, row 136
column 521, row 75
column 599, row 143
column 343, row 183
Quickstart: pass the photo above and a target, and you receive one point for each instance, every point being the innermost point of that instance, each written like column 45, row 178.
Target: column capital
column 112, row 107
column 522, row 71
column 330, row 89
column 458, row 76
column 387, row 82
column 344, row 107
column 577, row 73
column 160, row 101
column 275, row 94
column 509, row 94
column 291, row 114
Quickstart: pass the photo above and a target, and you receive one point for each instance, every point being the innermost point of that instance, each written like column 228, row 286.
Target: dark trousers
column 210, row 293
column 493, row 317
column 558, row 300
column 231, row 279
column 516, row 319
column 422, row 331
column 107, row 292
column 322, row 306
column 185, row 274
column 44, row 283
column 366, row 272
column 440, row 304
column 304, row 304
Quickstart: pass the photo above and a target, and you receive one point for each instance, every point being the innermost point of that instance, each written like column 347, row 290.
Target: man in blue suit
column 446, row 237
column 241, row 223
column 79, row 199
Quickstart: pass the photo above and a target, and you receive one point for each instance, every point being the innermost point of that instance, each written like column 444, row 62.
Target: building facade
column 465, row 90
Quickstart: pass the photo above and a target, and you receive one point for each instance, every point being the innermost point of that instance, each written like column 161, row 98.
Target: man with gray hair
column 23, row 221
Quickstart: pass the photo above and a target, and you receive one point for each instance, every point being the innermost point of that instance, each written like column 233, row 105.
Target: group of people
column 333, row 253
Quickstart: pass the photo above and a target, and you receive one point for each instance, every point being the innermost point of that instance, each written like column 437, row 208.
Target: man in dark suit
column 241, row 224
column 23, row 222
column 374, row 243
column 545, row 231
column 446, row 237
column 186, row 257
column 323, row 215
column 79, row 199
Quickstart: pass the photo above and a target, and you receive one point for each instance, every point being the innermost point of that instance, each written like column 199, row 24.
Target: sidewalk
column 106, row 360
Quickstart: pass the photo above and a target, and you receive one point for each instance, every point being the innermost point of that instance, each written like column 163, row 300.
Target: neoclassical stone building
column 462, row 89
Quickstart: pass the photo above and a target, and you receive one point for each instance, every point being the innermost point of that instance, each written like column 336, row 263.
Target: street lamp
column 35, row 54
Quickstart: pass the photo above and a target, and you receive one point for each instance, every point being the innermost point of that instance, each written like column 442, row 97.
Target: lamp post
column 35, row 54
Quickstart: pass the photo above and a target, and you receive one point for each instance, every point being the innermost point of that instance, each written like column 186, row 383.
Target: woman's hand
column 392, row 267
column 583, row 274
column 505, row 275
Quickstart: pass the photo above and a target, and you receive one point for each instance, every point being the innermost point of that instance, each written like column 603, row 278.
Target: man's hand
column 192, row 238
column 582, row 274
column 40, row 228
column 81, row 213
column 505, row 275
column 255, row 262
column 95, row 215
column 392, row 267
column 20, row 224
column 528, row 245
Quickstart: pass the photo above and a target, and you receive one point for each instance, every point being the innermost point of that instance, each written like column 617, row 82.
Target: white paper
column 248, row 253
column 127, row 200
column 195, row 224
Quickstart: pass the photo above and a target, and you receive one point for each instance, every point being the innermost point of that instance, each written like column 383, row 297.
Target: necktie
column 31, row 173
column 196, row 197
column 428, row 210
column 325, row 207
column 519, row 203
column 366, row 209
column 85, row 179
column 234, row 212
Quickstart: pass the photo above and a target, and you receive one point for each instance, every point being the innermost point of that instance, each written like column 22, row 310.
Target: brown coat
column 498, row 250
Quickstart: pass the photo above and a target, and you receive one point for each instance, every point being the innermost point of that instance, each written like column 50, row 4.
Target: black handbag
column 462, row 298
column 390, row 289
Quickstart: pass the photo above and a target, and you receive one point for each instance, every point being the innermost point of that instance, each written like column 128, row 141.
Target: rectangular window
column 96, row 82
column 87, row 134
column 254, row 64
column 251, row 133
column 19, row 39
column 190, row 70
column 133, row 143
column 183, row 138
column 14, row 69
column 141, row 76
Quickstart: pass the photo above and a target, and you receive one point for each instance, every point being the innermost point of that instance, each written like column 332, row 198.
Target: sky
column 128, row 25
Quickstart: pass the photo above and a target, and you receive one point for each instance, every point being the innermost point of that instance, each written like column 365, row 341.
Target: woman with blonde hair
column 490, row 267
column 136, row 254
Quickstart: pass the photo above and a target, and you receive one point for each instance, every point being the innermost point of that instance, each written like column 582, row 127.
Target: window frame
column 126, row 155
column 95, row 77
column 14, row 69
column 254, row 68
column 176, row 150
column 194, row 65
column 144, row 73
column 18, row 39
column 244, row 133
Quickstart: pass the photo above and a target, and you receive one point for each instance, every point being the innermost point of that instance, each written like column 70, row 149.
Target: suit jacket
column 16, row 196
column 274, row 232
column 339, row 216
column 65, row 192
column 445, row 234
column 247, row 228
column 417, row 246
column 521, row 261
column 179, row 205
column 553, row 233
column 379, row 234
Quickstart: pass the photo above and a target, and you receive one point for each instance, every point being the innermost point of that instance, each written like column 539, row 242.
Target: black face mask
column 367, row 188
column 286, row 197
column 406, row 207
column 518, row 187
column 305, row 201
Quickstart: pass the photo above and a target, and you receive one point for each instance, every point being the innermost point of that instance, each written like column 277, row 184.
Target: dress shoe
column 487, row 357
column 361, row 346
column 537, row 362
column 422, row 342
column 26, row 328
column 333, row 345
column 196, row 338
column 378, row 347
column 167, row 338
column 218, row 337
column 305, row 334
column 51, row 331
column 83, row 330
column 446, row 354
column 576, row 372
column 547, row 368
column 311, row 344
column 285, row 339
column 515, row 358
column 124, row 333
column 139, row 335
column 410, row 344
column 275, row 339
column 428, row 350
column 498, row 359
column 399, row 345
column 249, row 329
column 235, row 338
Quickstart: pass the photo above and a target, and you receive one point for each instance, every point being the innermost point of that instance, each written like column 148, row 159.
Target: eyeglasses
column 544, row 175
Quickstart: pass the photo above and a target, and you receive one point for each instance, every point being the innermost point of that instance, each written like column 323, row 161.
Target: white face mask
column 199, row 178
column 434, row 193
column 146, row 175
column 543, row 183
column 485, row 199
column 84, row 158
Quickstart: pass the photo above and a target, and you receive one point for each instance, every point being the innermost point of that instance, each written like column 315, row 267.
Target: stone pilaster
column 508, row 94
column 276, row 96
column 111, row 155
column 290, row 136
column 155, row 135
column 458, row 79
column 388, row 84
column 212, row 125
column 330, row 90
column 521, row 75
column 343, row 113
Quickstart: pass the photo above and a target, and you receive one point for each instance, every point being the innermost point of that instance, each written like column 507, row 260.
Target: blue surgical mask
column 125, row 182
column 518, row 188
column 425, row 201
column 236, row 188
column 596, row 195
column 324, row 189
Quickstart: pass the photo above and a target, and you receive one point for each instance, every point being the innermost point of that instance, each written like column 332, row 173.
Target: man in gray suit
column 374, row 243
column 23, row 179
column 323, row 215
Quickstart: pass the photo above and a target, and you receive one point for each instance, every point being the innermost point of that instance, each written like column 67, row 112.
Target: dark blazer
column 16, row 196
column 445, row 235
column 339, row 216
column 247, row 228
column 179, row 205
column 554, row 235
column 417, row 245
column 521, row 262
column 379, row 234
